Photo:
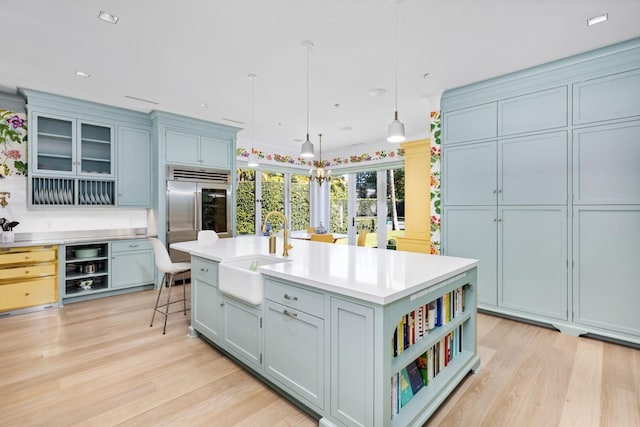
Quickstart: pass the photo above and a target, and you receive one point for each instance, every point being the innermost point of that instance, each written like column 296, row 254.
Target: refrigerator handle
column 198, row 211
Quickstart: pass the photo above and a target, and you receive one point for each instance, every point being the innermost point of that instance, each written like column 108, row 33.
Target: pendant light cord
column 396, row 41
column 253, row 109
column 308, row 49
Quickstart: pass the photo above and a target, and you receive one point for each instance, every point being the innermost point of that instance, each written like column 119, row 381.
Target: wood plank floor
column 97, row 363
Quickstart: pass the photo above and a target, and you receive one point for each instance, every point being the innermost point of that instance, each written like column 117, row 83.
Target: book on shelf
column 423, row 362
column 415, row 379
column 406, row 393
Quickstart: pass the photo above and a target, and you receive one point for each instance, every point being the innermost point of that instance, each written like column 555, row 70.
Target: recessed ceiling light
column 426, row 75
column 336, row 105
column 297, row 140
column 377, row 92
column 346, row 128
column 108, row 17
column 203, row 105
column 597, row 19
column 82, row 74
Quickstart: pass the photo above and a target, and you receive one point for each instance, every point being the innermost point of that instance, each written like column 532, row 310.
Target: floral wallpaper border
column 13, row 143
column 336, row 161
column 435, row 133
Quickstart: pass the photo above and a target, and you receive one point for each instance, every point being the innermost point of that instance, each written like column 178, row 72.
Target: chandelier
column 320, row 175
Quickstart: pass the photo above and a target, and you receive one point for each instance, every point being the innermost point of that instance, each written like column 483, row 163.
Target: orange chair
column 362, row 237
column 311, row 230
column 323, row 238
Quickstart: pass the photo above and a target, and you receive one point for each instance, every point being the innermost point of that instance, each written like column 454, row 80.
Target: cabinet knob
column 500, row 191
column 494, row 219
column 204, row 270
column 26, row 294
column 290, row 298
column 495, row 191
column 221, row 304
column 499, row 219
column 27, row 271
column 26, row 257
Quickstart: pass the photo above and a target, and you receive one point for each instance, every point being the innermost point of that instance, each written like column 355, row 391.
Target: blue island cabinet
column 340, row 356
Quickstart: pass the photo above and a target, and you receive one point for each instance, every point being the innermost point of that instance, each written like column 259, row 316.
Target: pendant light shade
column 253, row 160
column 307, row 146
column 307, row 149
column 396, row 128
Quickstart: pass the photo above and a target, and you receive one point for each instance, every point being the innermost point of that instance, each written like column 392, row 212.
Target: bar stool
column 169, row 270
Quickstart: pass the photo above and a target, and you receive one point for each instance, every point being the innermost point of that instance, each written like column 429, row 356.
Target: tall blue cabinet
column 541, row 183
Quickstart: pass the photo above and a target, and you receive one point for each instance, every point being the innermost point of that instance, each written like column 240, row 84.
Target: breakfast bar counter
column 338, row 329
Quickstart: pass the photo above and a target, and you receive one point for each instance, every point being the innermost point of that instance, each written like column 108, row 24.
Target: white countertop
column 373, row 275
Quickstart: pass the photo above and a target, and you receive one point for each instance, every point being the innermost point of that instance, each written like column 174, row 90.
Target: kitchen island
column 340, row 329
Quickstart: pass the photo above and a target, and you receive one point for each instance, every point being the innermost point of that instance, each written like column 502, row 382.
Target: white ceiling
column 181, row 54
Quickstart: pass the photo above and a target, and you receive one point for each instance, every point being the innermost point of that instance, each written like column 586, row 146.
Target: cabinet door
column 132, row 269
column 135, row 175
column 606, row 245
column 242, row 332
column 471, row 232
column 546, row 109
column 95, row 149
column 207, row 310
column 352, row 362
column 532, row 274
column 473, row 123
column 533, row 170
column 294, row 352
column 182, row 148
column 53, row 144
column 469, row 174
column 215, row 153
column 606, row 164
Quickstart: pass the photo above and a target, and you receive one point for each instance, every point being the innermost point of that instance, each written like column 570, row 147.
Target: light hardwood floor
column 97, row 363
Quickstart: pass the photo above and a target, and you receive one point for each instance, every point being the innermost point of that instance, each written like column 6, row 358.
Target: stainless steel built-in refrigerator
column 197, row 199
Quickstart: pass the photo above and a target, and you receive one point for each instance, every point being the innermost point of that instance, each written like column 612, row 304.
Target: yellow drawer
column 28, row 294
column 28, row 257
column 28, row 271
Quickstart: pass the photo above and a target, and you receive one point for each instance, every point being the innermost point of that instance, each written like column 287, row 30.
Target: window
column 246, row 202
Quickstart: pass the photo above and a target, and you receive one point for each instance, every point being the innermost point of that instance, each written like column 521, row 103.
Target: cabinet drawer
column 28, row 294
column 205, row 270
column 131, row 245
column 292, row 296
column 28, row 271
column 28, row 257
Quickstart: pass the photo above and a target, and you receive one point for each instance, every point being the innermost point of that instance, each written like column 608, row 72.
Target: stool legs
column 168, row 279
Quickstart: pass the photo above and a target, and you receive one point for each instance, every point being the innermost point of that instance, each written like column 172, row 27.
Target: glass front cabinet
column 67, row 146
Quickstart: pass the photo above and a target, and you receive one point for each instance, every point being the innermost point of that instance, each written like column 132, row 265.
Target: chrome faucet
column 287, row 246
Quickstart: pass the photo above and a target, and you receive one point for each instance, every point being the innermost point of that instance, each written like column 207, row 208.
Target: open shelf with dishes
column 86, row 268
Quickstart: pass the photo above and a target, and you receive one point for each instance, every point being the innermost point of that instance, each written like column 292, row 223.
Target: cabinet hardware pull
column 221, row 304
column 26, row 294
column 286, row 296
column 133, row 246
column 289, row 313
column 27, row 271
column 26, row 257
column 204, row 270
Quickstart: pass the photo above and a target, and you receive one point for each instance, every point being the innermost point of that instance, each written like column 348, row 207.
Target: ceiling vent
column 205, row 175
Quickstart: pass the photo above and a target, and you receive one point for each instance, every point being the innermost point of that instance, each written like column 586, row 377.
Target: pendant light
column 320, row 176
column 307, row 146
column 253, row 159
column 396, row 128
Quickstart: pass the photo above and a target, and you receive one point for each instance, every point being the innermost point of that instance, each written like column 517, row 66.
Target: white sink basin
column 241, row 279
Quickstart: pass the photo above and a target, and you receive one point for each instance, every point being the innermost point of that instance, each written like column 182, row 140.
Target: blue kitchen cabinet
column 471, row 232
column 206, row 299
column 294, row 349
column 198, row 150
column 470, row 174
column 606, row 164
column 532, row 260
column 134, row 172
column 132, row 263
column 242, row 336
column 568, row 141
column 606, row 245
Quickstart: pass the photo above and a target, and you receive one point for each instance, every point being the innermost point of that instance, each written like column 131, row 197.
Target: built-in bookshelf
column 431, row 347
